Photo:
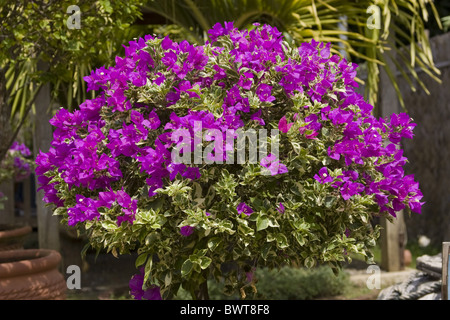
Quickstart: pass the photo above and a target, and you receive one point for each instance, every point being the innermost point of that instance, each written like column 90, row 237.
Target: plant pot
column 31, row 274
column 13, row 237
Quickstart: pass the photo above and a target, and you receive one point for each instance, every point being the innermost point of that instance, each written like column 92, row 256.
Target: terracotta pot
column 31, row 274
column 13, row 237
column 407, row 257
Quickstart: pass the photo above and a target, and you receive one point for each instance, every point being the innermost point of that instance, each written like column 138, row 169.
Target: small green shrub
column 290, row 283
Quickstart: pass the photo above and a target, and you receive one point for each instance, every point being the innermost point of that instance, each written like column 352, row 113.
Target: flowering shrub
column 114, row 169
column 17, row 163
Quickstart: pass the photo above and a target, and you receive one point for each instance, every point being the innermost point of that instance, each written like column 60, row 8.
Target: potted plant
column 31, row 274
column 171, row 159
column 25, row 274
column 16, row 165
column 13, row 237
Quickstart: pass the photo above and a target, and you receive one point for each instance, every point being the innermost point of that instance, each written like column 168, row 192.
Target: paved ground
column 106, row 277
column 362, row 277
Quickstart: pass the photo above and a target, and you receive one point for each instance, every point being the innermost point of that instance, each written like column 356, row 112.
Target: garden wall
column 429, row 151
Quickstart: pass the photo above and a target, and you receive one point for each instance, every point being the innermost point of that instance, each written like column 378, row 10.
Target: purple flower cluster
column 363, row 143
column 254, row 51
column 274, row 165
column 21, row 165
column 87, row 208
column 308, row 74
column 243, row 208
column 281, row 208
column 137, row 291
column 186, row 231
column 20, row 147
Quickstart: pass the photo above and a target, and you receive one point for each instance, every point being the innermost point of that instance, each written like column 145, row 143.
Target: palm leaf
column 304, row 20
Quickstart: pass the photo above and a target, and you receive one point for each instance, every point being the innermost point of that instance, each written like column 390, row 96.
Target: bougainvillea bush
column 17, row 165
column 114, row 168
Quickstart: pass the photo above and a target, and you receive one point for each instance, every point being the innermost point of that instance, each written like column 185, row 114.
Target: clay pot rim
column 15, row 231
column 27, row 261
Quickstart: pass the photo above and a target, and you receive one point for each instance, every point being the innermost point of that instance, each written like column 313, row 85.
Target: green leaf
column 226, row 226
column 148, row 268
column 186, row 268
column 266, row 250
column 213, row 243
column 329, row 201
column 168, row 279
column 107, row 6
column 262, row 222
column 141, row 259
column 196, row 89
column 109, row 225
column 59, row 211
column 310, row 262
column 273, row 223
column 331, row 246
column 210, row 196
column 156, row 205
column 246, row 230
column 205, row 262
column 282, row 241
column 300, row 239
column 151, row 238
column 197, row 188
column 270, row 237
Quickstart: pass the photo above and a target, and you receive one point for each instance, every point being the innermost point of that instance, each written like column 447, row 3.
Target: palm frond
column 304, row 20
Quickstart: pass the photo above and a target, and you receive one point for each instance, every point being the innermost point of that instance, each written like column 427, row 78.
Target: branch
column 29, row 104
